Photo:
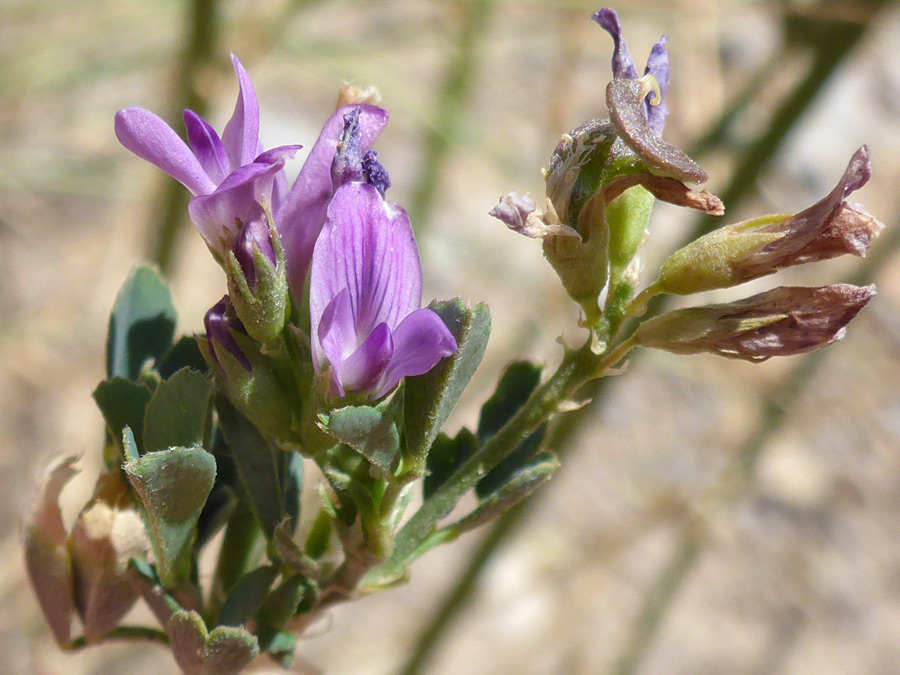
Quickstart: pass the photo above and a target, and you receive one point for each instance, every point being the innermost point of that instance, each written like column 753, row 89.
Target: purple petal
column 207, row 147
column 658, row 66
column 241, row 135
column 236, row 199
column 364, row 368
column 334, row 337
column 367, row 247
column 151, row 139
column 420, row 341
column 622, row 65
column 302, row 214
column 277, row 155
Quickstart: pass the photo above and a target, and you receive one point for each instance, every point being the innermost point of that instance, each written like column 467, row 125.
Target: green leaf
column 223, row 651
column 521, row 483
column 290, row 554
column 445, row 456
column 515, row 386
column 293, row 485
column 141, row 325
column 122, row 403
column 369, row 431
column 257, row 465
column 185, row 353
column 173, row 486
column 247, row 596
column 430, row 398
column 177, row 413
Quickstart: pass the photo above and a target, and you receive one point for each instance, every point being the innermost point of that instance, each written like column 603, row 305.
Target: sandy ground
column 798, row 569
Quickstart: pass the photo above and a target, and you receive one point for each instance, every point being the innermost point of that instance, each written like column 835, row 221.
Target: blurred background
column 709, row 517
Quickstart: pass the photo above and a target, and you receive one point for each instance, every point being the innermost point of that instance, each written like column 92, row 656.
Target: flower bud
column 257, row 280
column 780, row 322
column 245, row 374
column 744, row 251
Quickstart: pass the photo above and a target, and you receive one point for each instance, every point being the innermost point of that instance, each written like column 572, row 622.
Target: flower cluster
column 367, row 328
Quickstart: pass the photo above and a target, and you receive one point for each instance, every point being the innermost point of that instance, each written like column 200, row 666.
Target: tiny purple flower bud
column 367, row 328
column 781, row 322
column 254, row 234
column 220, row 321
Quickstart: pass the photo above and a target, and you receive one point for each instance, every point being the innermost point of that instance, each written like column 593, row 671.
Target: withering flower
column 368, row 330
column 780, row 322
column 737, row 253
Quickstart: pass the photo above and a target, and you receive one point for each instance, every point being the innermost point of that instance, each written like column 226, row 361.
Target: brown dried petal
column 780, row 322
column 831, row 227
column 668, row 190
column 624, row 99
column 46, row 556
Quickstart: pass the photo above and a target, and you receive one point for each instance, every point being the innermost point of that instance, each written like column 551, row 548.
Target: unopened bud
column 780, row 322
column 243, row 372
column 257, row 279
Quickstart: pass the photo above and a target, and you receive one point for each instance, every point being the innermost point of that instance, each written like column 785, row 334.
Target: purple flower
column 367, row 328
column 623, row 67
column 229, row 176
column 344, row 140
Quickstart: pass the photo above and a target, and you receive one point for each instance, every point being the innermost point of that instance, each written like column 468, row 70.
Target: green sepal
column 258, row 466
column 141, row 325
column 446, row 455
column 524, row 480
column 123, row 403
column 370, row 431
column 247, row 596
column 430, row 398
column 223, row 651
column 264, row 309
column 178, row 412
column 173, row 486
column 257, row 393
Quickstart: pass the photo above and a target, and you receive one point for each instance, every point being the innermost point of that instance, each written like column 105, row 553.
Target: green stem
column 198, row 51
column 577, row 367
column 124, row 633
